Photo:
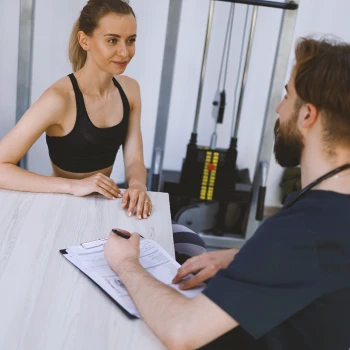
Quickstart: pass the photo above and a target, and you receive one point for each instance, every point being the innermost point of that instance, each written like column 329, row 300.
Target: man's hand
column 118, row 250
column 205, row 265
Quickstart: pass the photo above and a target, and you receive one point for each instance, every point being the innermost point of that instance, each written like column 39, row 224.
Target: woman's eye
column 112, row 41
column 132, row 41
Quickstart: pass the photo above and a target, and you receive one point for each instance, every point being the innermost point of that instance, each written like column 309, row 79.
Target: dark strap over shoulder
column 125, row 100
column 78, row 95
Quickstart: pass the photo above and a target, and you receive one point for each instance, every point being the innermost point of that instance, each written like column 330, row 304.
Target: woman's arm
column 135, row 171
column 45, row 112
column 48, row 110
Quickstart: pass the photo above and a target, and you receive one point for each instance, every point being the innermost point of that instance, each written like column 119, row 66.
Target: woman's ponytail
column 77, row 55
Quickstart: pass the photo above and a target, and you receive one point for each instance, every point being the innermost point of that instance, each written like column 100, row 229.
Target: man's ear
column 308, row 115
column 83, row 40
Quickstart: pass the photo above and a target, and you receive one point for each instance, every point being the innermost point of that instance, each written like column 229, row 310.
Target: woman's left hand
column 136, row 197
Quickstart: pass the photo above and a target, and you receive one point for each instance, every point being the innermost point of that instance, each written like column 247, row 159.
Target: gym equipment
column 209, row 173
column 206, row 167
column 220, row 97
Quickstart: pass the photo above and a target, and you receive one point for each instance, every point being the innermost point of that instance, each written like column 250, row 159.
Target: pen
column 121, row 234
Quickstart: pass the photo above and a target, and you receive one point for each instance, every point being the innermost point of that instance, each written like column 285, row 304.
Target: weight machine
column 209, row 175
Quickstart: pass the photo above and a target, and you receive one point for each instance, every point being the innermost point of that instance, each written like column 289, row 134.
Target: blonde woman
column 87, row 116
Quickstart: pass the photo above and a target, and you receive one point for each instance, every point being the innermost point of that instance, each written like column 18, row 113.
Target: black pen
column 121, row 234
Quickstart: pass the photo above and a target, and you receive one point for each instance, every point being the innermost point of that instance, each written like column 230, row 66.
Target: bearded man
column 289, row 286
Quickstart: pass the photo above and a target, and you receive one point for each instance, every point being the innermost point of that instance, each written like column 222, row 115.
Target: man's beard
column 288, row 143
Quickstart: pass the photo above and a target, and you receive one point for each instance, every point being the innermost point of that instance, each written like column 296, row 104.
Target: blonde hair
column 88, row 21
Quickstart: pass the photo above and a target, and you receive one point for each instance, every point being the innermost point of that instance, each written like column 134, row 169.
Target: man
column 289, row 286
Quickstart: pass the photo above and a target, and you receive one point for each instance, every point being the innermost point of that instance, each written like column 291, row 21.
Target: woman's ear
column 83, row 40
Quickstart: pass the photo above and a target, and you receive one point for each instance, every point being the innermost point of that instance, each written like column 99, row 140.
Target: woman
column 87, row 116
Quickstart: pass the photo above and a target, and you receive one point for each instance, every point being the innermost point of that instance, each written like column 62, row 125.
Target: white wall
column 53, row 24
column 9, row 28
column 315, row 17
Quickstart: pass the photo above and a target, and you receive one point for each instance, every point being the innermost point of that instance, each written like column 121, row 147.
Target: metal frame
column 287, row 5
column 283, row 50
column 277, row 82
column 204, row 65
column 165, row 93
column 25, row 59
column 245, row 72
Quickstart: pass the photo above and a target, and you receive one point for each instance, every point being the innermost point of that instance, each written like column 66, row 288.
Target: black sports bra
column 88, row 148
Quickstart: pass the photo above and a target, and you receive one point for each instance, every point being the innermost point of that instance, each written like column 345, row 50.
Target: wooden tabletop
column 45, row 302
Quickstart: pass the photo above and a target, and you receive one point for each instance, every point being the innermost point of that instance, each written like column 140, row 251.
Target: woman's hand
column 136, row 197
column 205, row 265
column 96, row 183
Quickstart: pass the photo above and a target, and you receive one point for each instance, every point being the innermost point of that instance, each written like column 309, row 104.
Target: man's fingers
column 190, row 266
column 123, row 231
column 181, row 273
column 193, row 281
column 135, row 237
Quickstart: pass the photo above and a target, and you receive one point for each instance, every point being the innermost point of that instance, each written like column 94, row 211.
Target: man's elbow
column 177, row 344
column 178, row 339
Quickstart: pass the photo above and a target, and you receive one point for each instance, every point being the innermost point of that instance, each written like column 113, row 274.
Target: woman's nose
column 122, row 50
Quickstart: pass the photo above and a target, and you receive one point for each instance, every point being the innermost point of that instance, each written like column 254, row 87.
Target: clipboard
column 64, row 252
column 153, row 258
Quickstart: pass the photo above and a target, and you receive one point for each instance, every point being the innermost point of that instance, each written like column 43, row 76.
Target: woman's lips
column 120, row 64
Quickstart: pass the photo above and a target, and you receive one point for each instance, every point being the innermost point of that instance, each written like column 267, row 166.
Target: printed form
column 89, row 258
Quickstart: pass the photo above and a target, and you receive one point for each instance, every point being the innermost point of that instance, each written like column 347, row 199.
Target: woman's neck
column 93, row 81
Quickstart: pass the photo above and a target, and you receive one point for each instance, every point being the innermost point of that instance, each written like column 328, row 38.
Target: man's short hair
column 322, row 78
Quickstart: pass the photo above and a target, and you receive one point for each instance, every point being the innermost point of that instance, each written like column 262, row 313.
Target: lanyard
column 315, row 183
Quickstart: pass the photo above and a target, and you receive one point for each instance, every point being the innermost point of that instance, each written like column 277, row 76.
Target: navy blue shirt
column 289, row 286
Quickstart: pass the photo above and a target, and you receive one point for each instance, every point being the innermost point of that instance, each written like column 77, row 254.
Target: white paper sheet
column 89, row 258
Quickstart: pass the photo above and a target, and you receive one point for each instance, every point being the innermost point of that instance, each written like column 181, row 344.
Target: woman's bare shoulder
column 127, row 81
column 61, row 90
column 60, row 96
column 62, row 87
column 130, row 86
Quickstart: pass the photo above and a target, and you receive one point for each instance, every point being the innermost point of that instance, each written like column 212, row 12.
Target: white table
column 45, row 302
